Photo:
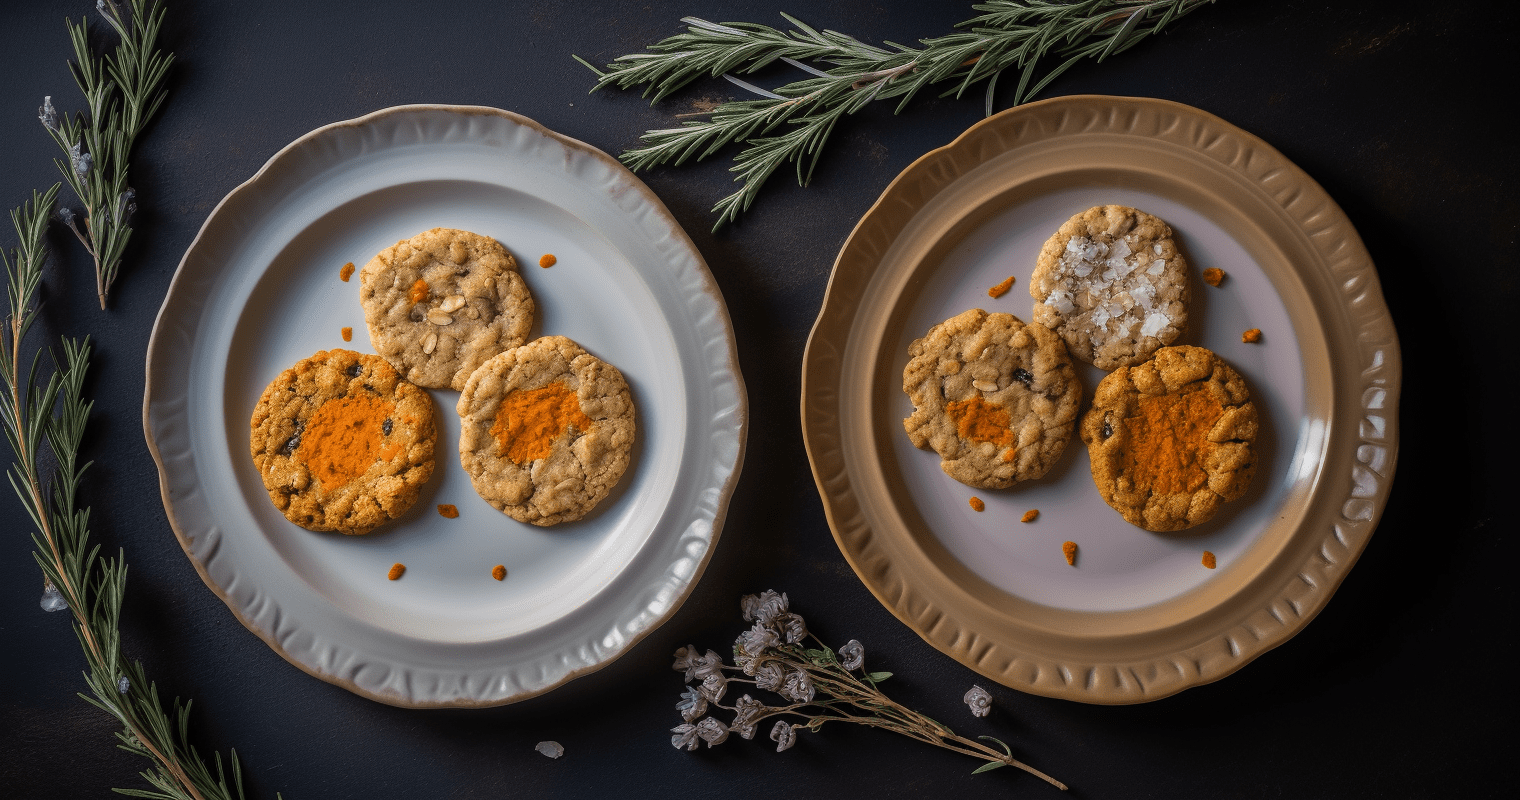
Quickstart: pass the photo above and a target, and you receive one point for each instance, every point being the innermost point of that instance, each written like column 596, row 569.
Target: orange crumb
column 397, row 570
column 1069, row 549
column 419, row 291
column 448, row 510
column 499, row 572
column 1030, row 516
column 1010, row 453
column 1251, row 336
column 348, row 334
column 1213, row 276
column 347, row 271
column 548, row 261
column 977, row 504
column 1002, row 288
column 1208, row 559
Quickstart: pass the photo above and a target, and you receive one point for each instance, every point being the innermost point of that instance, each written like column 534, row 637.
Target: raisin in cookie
column 1171, row 439
column 996, row 398
column 342, row 442
column 442, row 302
column 1112, row 284
column 546, row 430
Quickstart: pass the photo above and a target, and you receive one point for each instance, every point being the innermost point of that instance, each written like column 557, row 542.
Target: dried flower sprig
column 52, row 415
column 817, row 686
column 1025, row 35
column 121, row 94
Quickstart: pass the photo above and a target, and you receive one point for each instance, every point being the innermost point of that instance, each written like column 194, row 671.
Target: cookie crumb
column 348, row 334
column 1208, row 559
column 397, row 570
column 977, row 504
column 448, row 511
column 1002, row 288
column 548, row 260
column 1213, row 276
column 1031, row 515
column 1069, row 549
column 499, row 572
column 1251, row 336
column 347, row 272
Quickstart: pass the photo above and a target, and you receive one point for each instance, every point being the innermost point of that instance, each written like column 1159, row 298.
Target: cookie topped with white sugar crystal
column 1113, row 285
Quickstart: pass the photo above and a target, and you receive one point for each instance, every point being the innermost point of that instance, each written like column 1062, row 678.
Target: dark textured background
column 1398, row 689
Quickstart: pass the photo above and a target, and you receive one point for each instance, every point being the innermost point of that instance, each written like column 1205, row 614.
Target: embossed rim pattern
column 307, row 628
column 1345, row 459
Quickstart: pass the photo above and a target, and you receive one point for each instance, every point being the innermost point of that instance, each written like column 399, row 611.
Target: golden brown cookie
column 1111, row 282
column 442, row 302
column 1171, row 439
column 546, row 430
column 342, row 443
column 996, row 398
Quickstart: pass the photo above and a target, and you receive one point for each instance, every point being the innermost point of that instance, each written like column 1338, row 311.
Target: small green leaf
column 1004, row 744
column 878, row 677
column 987, row 766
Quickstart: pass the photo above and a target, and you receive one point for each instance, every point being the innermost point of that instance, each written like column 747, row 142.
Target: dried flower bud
column 123, row 685
column 979, row 701
column 758, row 639
column 712, row 731
column 685, row 736
column 692, row 704
column 714, row 686
column 764, row 607
column 745, row 711
column 793, row 626
column 783, row 735
column 48, row 114
column 684, row 660
column 770, row 675
column 853, row 653
column 798, row 687
column 702, row 666
column 126, row 206
column 52, row 599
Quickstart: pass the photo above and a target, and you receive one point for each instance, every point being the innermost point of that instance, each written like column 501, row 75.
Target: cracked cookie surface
column 546, row 430
column 1112, row 283
column 342, row 443
column 439, row 304
column 1171, row 440
column 996, row 398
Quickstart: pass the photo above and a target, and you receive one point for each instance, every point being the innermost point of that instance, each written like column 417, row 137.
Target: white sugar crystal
column 1156, row 267
column 1094, row 251
column 1156, row 248
column 1075, row 244
column 1120, row 250
column 1143, row 295
column 1155, row 323
column 1115, row 310
column 1109, row 275
column 1082, row 269
column 1100, row 317
column 1061, row 302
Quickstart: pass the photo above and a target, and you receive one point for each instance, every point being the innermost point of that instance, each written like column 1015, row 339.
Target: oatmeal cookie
column 442, row 302
column 996, row 398
column 1171, row 439
column 342, row 443
column 1113, row 285
column 546, row 430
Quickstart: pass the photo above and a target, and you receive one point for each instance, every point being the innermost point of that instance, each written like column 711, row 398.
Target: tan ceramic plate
column 1138, row 617
column 259, row 289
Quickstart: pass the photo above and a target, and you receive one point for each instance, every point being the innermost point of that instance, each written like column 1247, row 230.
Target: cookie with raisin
column 439, row 304
column 1172, row 439
column 342, row 442
column 995, row 397
column 546, row 430
column 1112, row 283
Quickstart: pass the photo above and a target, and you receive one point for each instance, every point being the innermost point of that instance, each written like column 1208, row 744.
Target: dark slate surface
column 1400, row 688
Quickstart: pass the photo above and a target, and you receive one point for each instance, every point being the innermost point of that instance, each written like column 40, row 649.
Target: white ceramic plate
column 259, row 289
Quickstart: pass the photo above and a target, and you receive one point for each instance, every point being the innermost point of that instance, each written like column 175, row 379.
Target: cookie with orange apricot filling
column 996, row 398
column 1171, row 440
column 342, row 442
column 546, row 430
column 442, row 302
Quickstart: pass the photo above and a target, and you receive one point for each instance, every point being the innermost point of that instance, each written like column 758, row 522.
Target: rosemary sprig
column 54, row 413
column 121, row 94
column 1026, row 35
